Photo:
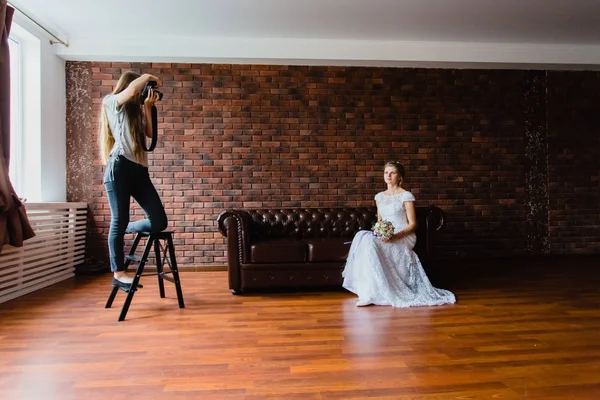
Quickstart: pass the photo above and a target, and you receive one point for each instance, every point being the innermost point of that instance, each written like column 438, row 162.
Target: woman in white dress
column 388, row 272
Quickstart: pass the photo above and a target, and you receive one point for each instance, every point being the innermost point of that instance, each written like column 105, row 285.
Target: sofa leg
column 235, row 292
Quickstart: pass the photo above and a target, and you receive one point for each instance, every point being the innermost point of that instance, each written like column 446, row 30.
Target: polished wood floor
column 520, row 330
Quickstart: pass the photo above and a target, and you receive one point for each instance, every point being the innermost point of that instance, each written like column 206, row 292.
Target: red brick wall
column 474, row 143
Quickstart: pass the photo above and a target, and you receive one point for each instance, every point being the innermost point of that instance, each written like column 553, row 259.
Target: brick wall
column 574, row 162
column 474, row 142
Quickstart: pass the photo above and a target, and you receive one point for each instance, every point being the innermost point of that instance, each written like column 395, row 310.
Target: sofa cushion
column 328, row 249
column 278, row 251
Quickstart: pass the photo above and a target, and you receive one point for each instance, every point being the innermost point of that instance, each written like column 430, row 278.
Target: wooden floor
column 520, row 330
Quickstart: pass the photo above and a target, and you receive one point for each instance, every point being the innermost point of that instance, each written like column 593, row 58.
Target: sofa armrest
column 435, row 218
column 434, row 221
column 235, row 226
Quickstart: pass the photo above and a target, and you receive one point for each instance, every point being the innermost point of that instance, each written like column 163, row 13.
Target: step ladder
column 164, row 253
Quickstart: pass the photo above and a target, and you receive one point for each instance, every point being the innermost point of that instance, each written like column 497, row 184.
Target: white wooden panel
column 49, row 257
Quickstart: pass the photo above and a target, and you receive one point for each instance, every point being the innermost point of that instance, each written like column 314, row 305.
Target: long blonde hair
column 134, row 115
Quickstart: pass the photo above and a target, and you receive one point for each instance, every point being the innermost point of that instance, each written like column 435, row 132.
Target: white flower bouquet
column 383, row 229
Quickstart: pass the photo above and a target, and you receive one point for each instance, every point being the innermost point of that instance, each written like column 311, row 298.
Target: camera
column 150, row 85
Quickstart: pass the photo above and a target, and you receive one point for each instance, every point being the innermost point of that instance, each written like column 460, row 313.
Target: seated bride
column 382, row 268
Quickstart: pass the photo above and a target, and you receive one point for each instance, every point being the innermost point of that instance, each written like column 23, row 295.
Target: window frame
column 16, row 169
column 26, row 107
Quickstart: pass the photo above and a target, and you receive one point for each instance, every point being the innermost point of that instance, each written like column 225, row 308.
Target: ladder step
column 167, row 277
column 134, row 258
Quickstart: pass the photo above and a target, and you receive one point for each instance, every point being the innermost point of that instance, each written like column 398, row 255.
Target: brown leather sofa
column 295, row 248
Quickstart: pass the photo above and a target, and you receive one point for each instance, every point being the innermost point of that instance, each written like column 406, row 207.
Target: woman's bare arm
column 134, row 88
column 411, row 214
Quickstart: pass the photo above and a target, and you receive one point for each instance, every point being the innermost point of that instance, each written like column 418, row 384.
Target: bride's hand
column 394, row 237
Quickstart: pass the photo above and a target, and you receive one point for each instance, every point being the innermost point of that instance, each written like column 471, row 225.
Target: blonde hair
column 134, row 115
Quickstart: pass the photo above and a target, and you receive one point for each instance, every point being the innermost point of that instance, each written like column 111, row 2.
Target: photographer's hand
column 151, row 99
column 148, row 104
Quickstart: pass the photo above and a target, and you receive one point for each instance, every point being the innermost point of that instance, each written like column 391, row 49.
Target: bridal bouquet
column 383, row 229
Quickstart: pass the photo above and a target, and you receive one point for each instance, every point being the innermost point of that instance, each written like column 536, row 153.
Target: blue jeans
column 124, row 179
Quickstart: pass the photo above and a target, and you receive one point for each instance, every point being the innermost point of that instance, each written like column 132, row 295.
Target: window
column 16, row 131
column 25, row 114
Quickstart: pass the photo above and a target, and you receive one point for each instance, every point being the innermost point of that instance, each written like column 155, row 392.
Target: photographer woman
column 125, row 122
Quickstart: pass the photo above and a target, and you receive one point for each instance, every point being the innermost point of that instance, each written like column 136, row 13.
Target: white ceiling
column 375, row 32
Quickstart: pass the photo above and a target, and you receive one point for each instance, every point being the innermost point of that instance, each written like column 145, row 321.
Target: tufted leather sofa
column 303, row 247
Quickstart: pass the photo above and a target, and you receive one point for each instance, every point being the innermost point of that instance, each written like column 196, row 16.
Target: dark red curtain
column 14, row 225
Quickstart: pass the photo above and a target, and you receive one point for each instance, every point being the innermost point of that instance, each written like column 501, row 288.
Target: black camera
column 150, row 85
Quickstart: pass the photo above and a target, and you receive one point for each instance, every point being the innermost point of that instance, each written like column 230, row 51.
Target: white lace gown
column 390, row 274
